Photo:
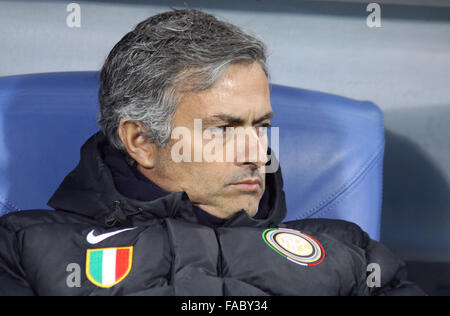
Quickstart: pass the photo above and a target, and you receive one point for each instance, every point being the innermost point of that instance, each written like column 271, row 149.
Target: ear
column 137, row 146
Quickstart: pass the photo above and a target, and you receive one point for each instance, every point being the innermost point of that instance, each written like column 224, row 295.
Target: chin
column 251, row 205
column 250, row 208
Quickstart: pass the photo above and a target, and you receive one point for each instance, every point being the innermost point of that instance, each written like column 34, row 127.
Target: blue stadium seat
column 330, row 151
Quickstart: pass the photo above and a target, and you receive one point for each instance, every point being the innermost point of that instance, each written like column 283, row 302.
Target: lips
column 248, row 185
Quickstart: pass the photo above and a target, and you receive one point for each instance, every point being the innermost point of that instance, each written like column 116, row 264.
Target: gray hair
column 147, row 71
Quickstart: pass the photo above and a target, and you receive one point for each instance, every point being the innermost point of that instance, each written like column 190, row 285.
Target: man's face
column 240, row 98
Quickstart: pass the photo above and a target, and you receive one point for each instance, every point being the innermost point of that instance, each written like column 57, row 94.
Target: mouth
column 248, row 185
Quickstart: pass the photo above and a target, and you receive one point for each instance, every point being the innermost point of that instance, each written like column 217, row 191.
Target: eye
column 218, row 129
column 264, row 127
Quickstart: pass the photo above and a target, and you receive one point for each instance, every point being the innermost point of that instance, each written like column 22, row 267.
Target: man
column 134, row 219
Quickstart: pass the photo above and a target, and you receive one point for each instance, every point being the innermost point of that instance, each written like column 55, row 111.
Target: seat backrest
column 331, row 156
column 330, row 148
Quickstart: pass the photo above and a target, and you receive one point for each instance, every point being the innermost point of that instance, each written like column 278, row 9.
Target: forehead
column 242, row 91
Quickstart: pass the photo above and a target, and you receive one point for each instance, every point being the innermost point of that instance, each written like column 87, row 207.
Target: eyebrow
column 230, row 119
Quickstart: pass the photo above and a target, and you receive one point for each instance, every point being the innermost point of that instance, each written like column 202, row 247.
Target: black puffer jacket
column 99, row 242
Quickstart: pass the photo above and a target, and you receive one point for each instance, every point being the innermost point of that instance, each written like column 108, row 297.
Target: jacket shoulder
column 20, row 220
column 339, row 229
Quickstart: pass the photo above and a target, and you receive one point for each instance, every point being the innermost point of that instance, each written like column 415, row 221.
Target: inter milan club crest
column 108, row 266
column 294, row 246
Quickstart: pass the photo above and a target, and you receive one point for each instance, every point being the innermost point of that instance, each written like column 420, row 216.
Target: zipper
column 219, row 257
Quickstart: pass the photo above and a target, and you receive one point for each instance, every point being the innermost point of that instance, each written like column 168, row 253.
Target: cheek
column 200, row 177
column 209, row 176
column 204, row 184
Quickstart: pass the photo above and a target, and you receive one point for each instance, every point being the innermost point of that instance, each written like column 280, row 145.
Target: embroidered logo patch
column 294, row 246
column 106, row 267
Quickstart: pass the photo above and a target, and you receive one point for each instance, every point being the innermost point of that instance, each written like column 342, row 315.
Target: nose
column 251, row 147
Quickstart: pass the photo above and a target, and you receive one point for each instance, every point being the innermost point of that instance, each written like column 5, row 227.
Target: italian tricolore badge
column 106, row 267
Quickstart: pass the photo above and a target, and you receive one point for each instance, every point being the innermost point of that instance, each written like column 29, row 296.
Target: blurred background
column 403, row 65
